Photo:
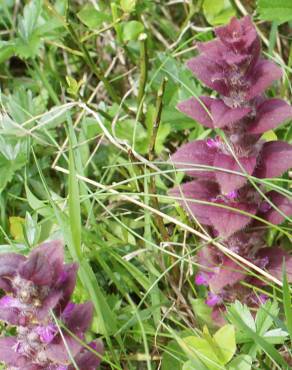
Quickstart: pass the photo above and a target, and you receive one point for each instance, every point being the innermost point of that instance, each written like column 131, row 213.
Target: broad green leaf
column 218, row 11
column 275, row 10
column 128, row 5
column 132, row 30
column 91, row 17
column 241, row 362
column 200, row 348
column 225, row 338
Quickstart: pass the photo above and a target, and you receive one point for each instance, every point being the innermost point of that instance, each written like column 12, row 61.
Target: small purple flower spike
column 220, row 195
column 36, row 285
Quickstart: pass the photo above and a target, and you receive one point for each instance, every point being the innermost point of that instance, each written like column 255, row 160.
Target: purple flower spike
column 37, row 284
column 221, row 196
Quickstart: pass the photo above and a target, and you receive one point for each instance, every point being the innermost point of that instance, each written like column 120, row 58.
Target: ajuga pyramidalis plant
column 35, row 287
column 220, row 199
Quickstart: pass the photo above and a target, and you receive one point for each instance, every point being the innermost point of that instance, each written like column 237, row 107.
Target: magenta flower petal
column 192, row 154
column 199, row 110
column 201, row 191
column 44, row 264
column 228, row 181
column 282, row 203
column 263, row 75
column 270, row 114
column 275, row 158
column 201, row 279
column 212, row 299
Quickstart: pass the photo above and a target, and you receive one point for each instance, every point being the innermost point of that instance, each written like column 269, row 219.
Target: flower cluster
column 222, row 197
column 36, row 286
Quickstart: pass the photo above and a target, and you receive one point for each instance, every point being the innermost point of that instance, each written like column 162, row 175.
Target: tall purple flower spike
column 35, row 285
column 221, row 197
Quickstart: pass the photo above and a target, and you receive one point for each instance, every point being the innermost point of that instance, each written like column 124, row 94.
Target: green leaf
column 200, row 348
column 276, row 336
column 287, row 301
column 225, row 338
column 218, row 11
column 264, row 317
column 193, row 365
column 91, row 17
column 132, row 30
column 9, row 167
column 28, row 22
column 128, row 5
column 275, row 10
column 260, row 341
column 244, row 313
column 201, row 309
column 241, row 362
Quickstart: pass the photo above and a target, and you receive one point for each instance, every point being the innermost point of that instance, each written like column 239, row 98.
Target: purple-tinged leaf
column 228, row 181
column 224, row 116
column 199, row 110
column 238, row 33
column 66, row 283
column 57, row 352
column 270, row 114
column 89, row 360
column 44, row 264
column 10, row 310
column 9, row 264
column 276, row 256
column 198, row 191
column 264, row 73
column 79, row 318
column 210, row 72
column 283, row 203
column 229, row 274
column 275, row 158
column 192, row 154
column 9, row 354
column 229, row 221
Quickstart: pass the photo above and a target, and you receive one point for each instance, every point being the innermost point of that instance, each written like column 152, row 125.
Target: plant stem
column 153, row 190
column 143, row 69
